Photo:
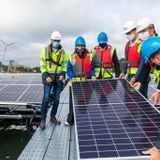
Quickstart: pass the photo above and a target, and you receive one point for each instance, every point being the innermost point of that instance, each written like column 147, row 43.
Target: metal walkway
column 55, row 142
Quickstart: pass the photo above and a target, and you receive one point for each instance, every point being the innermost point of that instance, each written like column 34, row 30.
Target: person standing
column 150, row 51
column 132, row 57
column 146, row 29
column 105, row 58
column 80, row 67
column 53, row 68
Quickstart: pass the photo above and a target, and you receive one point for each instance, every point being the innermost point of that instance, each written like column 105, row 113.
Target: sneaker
column 42, row 124
column 54, row 120
column 66, row 123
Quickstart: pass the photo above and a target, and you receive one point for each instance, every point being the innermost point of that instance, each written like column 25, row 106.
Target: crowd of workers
column 142, row 55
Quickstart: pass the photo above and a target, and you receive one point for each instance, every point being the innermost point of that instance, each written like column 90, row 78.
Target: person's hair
column 151, row 26
column 155, row 54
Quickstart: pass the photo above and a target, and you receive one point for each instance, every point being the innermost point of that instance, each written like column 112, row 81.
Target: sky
column 30, row 23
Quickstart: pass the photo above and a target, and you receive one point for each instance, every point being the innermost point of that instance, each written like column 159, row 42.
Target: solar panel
column 20, row 88
column 113, row 121
column 21, row 93
column 34, row 94
column 20, row 78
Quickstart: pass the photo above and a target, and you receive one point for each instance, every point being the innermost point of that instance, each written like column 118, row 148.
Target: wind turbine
column 6, row 45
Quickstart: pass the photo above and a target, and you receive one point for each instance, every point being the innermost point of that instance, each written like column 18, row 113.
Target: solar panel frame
column 139, row 157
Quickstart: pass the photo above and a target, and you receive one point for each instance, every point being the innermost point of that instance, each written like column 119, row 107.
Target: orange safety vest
column 81, row 66
column 132, row 55
column 105, row 56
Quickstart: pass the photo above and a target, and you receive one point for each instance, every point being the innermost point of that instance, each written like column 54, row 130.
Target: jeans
column 56, row 87
column 144, row 87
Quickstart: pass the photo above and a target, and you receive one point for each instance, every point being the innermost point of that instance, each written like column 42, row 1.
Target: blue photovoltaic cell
column 110, row 127
column 34, row 94
column 21, row 93
column 20, row 88
column 102, row 92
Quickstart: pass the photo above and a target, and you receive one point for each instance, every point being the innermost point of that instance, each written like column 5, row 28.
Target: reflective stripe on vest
column 81, row 66
column 103, row 61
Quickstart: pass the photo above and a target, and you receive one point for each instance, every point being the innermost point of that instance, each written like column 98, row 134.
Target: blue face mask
column 55, row 44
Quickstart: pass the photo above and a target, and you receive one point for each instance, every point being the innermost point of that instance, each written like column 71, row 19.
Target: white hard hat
column 128, row 26
column 143, row 23
column 56, row 35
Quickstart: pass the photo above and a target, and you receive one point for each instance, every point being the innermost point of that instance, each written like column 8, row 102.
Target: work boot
column 54, row 120
column 68, row 122
column 42, row 124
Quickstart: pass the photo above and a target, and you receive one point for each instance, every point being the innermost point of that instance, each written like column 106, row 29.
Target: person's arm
column 140, row 68
column 154, row 151
column 124, row 66
column 116, row 64
column 69, row 70
column 64, row 64
column 144, row 73
column 43, row 62
column 92, row 74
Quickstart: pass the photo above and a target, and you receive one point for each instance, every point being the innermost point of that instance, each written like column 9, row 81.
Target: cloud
column 30, row 22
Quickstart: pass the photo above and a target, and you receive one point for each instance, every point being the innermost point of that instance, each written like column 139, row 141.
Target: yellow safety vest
column 46, row 64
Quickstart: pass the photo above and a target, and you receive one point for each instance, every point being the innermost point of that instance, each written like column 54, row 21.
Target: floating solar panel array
column 113, row 121
column 20, row 88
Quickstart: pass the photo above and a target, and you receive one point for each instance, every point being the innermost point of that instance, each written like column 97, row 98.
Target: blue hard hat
column 150, row 47
column 80, row 41
column 102, row 38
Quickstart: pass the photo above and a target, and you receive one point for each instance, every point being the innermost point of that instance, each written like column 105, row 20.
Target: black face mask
column 103, row 45
column 80, row 52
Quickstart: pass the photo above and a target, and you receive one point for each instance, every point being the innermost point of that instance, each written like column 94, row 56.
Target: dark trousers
column 70, row 118
column 144, row 87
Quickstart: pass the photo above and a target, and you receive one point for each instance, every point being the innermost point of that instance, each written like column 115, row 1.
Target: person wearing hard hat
column 132, row 57
column 146, row 29
column 80, row 67
column 53, row 68
column 105, row 58
column 150, row 51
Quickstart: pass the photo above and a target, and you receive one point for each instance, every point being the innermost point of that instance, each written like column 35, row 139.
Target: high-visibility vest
column 103, row 61
column 132, row 57
column 81, row 67
column 46, row 64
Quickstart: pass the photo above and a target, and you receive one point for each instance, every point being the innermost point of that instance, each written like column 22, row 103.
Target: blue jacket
column 70, row 71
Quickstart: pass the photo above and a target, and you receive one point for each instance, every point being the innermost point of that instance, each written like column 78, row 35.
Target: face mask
column 55, row 44
column 144, row 35
column 103, row 45
column 130, row 37
column 79, row 51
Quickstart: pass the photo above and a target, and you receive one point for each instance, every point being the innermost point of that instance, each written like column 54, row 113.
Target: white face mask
column 144, row 35
column 130, row 37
